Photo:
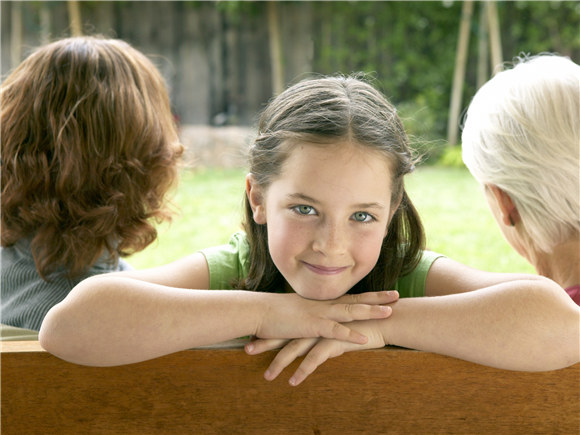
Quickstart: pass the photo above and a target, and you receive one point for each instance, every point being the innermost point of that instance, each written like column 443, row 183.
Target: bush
column 420, row 123
column 451, row 158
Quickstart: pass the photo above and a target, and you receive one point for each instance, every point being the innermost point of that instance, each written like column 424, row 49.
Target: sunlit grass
column 451, row 203
column 458, row 221
column 210, row 210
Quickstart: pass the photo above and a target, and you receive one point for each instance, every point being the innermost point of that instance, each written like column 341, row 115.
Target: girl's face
column 327, row 214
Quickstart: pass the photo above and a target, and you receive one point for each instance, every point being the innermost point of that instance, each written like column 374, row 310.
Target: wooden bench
column 221, row 390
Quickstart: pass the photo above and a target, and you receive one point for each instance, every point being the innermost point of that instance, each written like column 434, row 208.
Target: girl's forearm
column 522, row 325
column 115, row 321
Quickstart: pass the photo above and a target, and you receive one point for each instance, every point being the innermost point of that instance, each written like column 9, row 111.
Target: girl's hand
column 317, row 350
column 290, row 316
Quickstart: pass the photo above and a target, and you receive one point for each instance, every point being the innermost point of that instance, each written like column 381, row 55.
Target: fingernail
column 267, row 375
column 292, row 381
column 249, row 348
column 385, row 310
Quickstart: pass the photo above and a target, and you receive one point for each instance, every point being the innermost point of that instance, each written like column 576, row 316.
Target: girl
column 89, row 150
column 328, row 222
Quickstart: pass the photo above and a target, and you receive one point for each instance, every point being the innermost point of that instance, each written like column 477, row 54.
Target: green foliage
column 411, row 47
column 452, row 206
column 451, row 158
column 537, row 26
column 420, row 123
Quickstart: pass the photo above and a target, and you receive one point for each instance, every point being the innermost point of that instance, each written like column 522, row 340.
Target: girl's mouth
column 324, row 270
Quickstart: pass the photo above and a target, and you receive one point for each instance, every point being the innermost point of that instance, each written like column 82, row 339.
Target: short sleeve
column 228, row 263
column 413, row 284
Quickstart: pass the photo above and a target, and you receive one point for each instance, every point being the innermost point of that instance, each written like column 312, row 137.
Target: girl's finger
column 287, row 355
column 371, row 298
column 351, row 312
column 332, row 329
column 320, row 353
column 258, row 346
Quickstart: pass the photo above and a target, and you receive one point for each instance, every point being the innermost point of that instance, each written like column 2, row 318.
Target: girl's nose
column 330, row 239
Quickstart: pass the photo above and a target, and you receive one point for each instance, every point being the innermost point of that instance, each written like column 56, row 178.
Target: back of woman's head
column 325, row 111
column 522, row 134
column 89, row 150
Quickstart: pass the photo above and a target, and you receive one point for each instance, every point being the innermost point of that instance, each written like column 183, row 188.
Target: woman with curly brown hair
column 89, row 151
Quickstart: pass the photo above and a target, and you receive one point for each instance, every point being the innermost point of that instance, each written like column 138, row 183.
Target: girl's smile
column 325, row 270
column 327, row 214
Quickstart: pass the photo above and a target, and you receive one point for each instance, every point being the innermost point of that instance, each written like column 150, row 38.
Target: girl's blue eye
column 361, row 216
column 304, row 209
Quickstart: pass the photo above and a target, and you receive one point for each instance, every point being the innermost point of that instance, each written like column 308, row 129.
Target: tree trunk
column 275, row 48
column 459, row 73
column 74, row 16
column 494, row 38
column 16, row 36
column 45, row 18
column 483, row 46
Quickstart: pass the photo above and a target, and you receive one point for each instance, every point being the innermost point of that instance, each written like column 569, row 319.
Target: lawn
column 451, row 203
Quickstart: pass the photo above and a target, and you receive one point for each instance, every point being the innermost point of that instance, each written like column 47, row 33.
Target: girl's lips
column 323, row 270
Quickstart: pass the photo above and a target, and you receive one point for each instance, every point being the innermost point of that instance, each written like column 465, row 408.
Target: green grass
column 458, row 222
column 451, row 203
column 209, row 206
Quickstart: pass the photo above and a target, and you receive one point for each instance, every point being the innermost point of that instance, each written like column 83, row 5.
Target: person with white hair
column 521, row 141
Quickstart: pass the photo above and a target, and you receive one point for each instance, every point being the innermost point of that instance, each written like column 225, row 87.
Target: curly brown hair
column 89, row 150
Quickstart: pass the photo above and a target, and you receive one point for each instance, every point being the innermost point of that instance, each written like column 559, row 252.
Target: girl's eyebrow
column 302, row 197
column 310, row 200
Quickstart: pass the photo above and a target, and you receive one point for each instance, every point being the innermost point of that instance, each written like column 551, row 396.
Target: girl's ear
column 256, row 199
column 508, row 212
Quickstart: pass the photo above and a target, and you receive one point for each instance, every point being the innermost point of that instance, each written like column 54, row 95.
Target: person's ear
column 508, row 210
column 256, row 199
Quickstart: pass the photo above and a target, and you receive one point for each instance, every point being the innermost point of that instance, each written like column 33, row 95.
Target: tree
column 459, row 74
column 16, row 33
column 494, row 37
column 275, row 49
column 74, row 16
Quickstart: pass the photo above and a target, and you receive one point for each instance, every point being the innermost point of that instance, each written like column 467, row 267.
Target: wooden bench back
column 206, row 391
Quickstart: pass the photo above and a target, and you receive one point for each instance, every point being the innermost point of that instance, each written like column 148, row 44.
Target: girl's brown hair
column 330, row 110
column 89, row 151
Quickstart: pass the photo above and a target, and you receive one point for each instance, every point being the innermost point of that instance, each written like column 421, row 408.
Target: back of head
column 89, row 150
column 522, row 134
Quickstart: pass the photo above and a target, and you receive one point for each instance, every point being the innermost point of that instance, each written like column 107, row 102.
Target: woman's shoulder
column 26, row 297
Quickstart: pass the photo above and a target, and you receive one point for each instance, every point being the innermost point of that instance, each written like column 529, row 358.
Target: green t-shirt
column 231, row 262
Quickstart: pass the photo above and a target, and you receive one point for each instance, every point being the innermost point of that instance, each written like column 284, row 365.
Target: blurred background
column 223, row 61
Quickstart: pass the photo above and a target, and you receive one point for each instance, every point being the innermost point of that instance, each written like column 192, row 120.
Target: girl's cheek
column 369, row 245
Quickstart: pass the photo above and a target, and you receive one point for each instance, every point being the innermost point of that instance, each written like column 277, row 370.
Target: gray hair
column 522, row 134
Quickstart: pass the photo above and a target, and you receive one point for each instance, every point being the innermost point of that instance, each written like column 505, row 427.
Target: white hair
column 522, row 134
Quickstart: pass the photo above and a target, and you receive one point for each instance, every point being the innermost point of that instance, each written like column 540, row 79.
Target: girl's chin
column 317, row 295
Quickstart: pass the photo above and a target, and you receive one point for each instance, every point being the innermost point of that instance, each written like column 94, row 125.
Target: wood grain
column 223, row 391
